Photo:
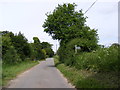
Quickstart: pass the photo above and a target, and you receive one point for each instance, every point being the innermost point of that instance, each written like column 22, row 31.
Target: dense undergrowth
column 88, row 79
column 101, row 59
column 95, row 69
column 104, row 59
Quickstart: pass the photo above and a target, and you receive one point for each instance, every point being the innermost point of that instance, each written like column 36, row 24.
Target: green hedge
column 67, row 51
column 97, row 59
column 104, row 59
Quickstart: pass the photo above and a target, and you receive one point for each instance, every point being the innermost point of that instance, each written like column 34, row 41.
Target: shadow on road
column 51, row 65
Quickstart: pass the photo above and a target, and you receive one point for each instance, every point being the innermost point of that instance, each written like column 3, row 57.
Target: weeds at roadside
column 88, row 79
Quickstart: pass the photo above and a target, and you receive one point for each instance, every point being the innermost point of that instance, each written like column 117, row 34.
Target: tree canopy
column 15, row 48
column 46, row 45
column 65, row 24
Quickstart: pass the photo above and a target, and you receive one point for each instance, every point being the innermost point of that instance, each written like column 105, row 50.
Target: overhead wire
column 90, row 7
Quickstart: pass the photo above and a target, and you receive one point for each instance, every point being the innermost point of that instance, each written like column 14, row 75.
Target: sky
column 28, row 16
column 119, row 22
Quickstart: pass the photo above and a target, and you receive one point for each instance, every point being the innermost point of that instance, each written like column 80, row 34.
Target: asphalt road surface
column 43, row 75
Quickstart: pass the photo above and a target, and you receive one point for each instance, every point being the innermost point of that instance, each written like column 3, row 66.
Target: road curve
column 43, row 75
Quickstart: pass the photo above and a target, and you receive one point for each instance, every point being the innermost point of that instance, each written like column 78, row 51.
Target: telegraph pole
column 75, row 49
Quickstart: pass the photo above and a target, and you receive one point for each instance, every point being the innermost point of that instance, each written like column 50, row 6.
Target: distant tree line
column 15, row 48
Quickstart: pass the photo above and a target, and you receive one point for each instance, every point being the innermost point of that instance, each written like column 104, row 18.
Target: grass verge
column 88, row 79
column 11, row 71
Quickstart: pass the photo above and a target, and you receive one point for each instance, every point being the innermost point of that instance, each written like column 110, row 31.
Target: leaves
column 62, row 20
column 65, row 24
column 15, row 48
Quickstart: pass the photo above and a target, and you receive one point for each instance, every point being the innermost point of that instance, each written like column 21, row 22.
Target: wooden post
column 75, row 49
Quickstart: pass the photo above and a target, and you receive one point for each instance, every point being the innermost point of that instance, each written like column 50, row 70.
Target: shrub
column 11, row 56
column 104, row 59
column 67, row 52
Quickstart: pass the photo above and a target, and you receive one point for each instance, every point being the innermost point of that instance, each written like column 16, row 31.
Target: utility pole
column 75, row 49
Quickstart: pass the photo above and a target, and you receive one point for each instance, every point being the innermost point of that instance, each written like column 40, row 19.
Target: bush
column 67, row 55
column 11, row 56
column 67, row 52
column 104, row 59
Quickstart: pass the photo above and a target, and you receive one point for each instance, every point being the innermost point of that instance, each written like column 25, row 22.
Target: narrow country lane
column 44, row 75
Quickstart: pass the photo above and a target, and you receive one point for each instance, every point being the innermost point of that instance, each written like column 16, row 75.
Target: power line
column 90, row 7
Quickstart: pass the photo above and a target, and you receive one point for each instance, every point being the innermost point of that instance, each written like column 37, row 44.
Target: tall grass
column 88, row 79
column 104, row 59
column 96, row 69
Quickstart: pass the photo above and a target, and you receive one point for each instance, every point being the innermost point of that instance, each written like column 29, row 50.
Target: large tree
column 65, row 24
column 64, row 21
column 68, row 26
column 9, row 53
column 21, row 45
